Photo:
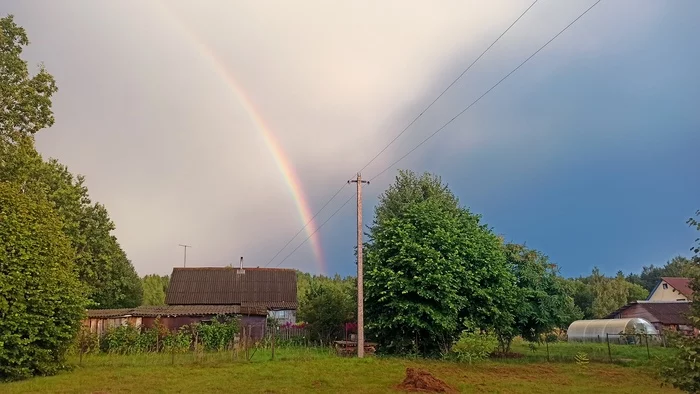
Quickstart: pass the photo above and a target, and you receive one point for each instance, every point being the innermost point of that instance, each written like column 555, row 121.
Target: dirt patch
column 419, row 380
column 506, row 355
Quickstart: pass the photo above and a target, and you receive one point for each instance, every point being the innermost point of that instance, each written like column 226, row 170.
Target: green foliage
column 326, row 306
column 87, row 341
column 693, row 222
column 474, row 346
column 177, row 341
column 678, row 266
column 431, row 269
column 683, row 371
column 155, row 288
column 124, row 339
column 598, row 295
column 218, row 334
column 25, row 101
column 543, row 301
column 41, row 299
column 25, row 108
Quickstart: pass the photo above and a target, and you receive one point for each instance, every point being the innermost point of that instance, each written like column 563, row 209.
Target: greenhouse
column 598, row 330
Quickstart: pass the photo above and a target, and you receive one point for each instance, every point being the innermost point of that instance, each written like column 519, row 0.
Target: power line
column 305, row 225
column 447, row 88
column 485, row 93
column 405, row 129
column 317, row 228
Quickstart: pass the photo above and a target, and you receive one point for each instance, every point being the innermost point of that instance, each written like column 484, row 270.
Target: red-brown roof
column 272, row 288
column 667, row 313
column 680, row 284
column 178, row 310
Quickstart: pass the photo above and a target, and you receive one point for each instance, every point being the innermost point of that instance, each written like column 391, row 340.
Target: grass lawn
column 308, row 370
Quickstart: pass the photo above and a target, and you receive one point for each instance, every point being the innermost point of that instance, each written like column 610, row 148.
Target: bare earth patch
column 419, row 380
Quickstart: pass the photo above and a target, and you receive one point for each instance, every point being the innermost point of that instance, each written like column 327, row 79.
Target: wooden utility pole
column 360, row 272
column 184, row 263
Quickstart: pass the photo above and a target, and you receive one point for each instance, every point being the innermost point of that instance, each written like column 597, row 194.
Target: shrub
column 41, row 299
column 474, row 346
column 124, row 340
column 86, row 341
column 218, row 334
column 177, row 342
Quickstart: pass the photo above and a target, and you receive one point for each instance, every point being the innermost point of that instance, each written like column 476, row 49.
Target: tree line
column 57, row 252
column 433, row 270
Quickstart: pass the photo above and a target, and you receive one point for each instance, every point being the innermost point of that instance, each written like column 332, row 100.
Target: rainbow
column 283, row 163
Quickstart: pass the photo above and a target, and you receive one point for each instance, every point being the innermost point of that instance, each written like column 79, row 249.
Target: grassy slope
column 306, row 370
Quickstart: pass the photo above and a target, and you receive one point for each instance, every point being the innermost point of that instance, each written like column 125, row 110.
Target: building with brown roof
column 672, row 289
column 663, row 315
column 201, row 294
column 274, row 289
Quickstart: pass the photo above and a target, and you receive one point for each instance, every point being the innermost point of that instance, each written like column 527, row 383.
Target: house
column 663, row 315
column 273, row 289
column 672, row 289
column 200, row 294
column 171, row 316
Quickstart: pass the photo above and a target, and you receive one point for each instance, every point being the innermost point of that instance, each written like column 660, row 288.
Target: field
column 312, row 370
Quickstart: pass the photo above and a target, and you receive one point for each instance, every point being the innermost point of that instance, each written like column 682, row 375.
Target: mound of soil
column 418, row 380
column 506, row 355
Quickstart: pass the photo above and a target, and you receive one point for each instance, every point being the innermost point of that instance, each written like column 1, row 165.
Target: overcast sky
column 588, row 152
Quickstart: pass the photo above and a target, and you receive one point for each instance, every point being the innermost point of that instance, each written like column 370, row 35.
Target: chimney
column 241, row 270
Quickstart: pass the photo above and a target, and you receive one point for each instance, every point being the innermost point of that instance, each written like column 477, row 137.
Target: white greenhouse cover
column 596, row 329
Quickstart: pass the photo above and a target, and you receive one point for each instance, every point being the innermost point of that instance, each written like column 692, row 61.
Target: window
column 681, row 299
column 665, row 285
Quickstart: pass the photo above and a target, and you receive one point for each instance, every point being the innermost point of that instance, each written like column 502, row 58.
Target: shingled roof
column 176, row 310
column 675, row 312
column 271, row 288
column 680, row 284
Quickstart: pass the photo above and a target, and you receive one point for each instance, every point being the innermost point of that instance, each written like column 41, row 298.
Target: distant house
column 200, row 294
column 273, row 289
column 672, row 289
column 663, row 315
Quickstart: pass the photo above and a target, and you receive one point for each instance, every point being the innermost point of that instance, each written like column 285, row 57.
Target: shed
column 596, row 330
column 173, row 316
column 671, row 315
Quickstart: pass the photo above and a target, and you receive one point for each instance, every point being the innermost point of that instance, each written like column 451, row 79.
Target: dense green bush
column 474, row 346
column 128, row 339
column 218, row 334
column 41, row 299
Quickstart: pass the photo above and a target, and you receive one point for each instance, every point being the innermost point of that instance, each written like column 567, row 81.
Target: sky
column 189, row 119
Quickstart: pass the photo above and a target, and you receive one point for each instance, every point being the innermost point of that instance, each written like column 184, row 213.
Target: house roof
column 271, row 288
column 680, row 284
column 673, row 312
column 177, row 310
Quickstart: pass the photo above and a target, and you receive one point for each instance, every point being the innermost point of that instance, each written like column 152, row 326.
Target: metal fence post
column 607, row 337
column 647, row 340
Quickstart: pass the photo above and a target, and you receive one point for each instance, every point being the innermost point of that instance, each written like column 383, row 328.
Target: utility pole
column 360, row 271
column 184, row 263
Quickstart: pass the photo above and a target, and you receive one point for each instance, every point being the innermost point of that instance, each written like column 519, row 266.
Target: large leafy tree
column 41, row 298
column 543, row 299
column 432, row 269
column 25, row 108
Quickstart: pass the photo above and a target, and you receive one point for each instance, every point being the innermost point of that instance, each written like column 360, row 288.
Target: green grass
column 311, row 370
column 597, row 352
